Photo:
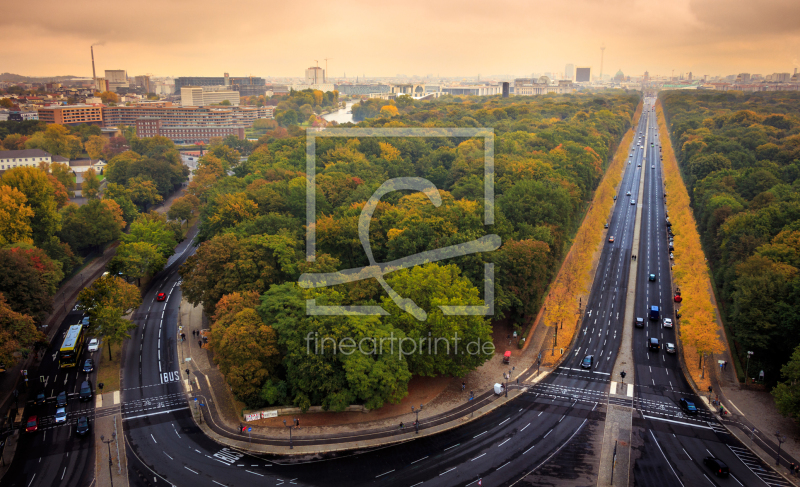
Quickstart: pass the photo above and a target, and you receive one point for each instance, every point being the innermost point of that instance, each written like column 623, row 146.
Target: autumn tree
column 95, row 146
column 120, row 195
column 56, row 140
column 40, row 194
column 14, row 141
column 143, row 192
column 91, row 185
column 108, row 97
column 183, row 208
column 92, row 225
column 28, row 280
column 107, row 301
column 17, row 334
column 15, row 216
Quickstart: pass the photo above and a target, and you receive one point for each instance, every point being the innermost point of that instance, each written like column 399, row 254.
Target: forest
column 550, row 153
column 740, row 158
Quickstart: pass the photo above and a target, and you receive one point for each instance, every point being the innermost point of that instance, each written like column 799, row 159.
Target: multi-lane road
column 553, row 431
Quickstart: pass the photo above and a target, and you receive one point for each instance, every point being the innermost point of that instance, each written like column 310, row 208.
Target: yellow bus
column 70, row 351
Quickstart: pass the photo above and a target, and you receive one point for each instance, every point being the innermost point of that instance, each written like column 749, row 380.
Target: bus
column 70, row 351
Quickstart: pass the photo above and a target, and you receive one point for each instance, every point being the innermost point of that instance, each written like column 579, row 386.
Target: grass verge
column 108, row 370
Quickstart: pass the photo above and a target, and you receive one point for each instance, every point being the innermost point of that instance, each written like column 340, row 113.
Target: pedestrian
column 791, row 468
column 200, row 343
column 463, row 386
column 297, row 423
column 721, row 411
column 797, row 469
column 471, row 395
column 725, row 365
column 401, row 426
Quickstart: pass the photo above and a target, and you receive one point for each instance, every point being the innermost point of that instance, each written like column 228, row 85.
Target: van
column 654, row 315
column 86, row 391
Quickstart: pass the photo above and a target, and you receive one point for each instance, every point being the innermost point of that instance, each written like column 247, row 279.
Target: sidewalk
column 109, row 438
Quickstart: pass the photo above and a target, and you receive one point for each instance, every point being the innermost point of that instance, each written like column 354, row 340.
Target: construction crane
column 326, row 70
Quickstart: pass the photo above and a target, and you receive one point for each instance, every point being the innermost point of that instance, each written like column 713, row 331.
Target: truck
column 654, row 313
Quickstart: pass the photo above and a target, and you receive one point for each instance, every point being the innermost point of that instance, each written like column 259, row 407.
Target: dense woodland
column 740, row 157
column 550, row 153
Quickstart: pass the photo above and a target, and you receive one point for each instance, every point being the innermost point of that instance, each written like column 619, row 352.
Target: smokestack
column 94, row 74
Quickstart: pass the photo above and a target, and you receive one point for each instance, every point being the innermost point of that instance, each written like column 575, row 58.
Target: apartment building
column 72, row 114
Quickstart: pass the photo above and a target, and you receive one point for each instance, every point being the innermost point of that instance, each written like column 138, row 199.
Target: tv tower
column 602, row 54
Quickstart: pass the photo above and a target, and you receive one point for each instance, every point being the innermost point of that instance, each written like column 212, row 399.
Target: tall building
column 315, row 75
column 569, row 72
column 116, row 75
column 144, row 82
column 201, row 96
column 72, row 114
column 583, row 75
column 233, row 81
column 646, row 76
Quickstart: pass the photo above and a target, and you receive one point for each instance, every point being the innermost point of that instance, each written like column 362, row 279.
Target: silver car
column 61, row 415
column 670, row 348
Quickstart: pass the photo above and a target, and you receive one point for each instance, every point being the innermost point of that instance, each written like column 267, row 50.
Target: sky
column 417, row 37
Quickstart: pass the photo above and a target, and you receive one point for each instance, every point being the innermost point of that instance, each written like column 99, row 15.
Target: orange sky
column 446, row 37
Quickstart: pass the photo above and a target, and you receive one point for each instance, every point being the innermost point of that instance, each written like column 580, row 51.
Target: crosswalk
column 754, row 464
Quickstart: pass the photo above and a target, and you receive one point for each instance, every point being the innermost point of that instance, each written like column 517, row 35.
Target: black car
column 83, row 426
column 715, row 464
column 61, row 399
column 88, row 366
column 587, row 362
column 86, row 391
column 639, row 323
column 40, row 399
column 653, row 344
column 688, row 406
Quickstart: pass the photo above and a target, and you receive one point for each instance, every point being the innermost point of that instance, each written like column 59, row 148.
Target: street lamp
column 747, row 368
column 290, row 426
column 110, row 462
column 781, row 439
column 416, row 423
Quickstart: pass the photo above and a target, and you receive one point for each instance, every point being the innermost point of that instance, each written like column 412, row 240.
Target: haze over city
column 443, row 38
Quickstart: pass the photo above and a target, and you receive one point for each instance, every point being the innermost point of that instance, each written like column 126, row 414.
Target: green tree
column 108, row 293
column 152, row 228
column 92, row 225
column 40, row 195
column 182, row 208
column 119, row 193
column 143, row 192
column 91, row 185
column 17, row 334
column 787, row 393
column 118, row 167
column 95, row 146
column 63, row 173
column 136, row 260
column 56, row 140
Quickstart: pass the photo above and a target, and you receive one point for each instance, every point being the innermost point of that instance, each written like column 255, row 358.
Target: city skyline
column 705, row 37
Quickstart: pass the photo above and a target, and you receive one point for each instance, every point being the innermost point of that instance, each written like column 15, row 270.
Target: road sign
column 249, row 429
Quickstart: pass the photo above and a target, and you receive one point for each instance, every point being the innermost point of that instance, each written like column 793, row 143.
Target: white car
column 671, row 257
column 667, row 323
column 653, row 166
column 94, row 344
column 670, row 348
column 61, row 415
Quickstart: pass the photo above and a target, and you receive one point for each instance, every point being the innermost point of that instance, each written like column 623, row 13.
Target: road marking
column 482, row 454
column 523, row 429
column 447, row 471
column 254, row 473
column 381, row 475
column 503, row 465
column 449, row 447
column 503, row 422
column 678, row 422
column 687, row 453
column 153, row 414
column 189, row 469
column 165, row 453
column 223, row 485
column 503, row 443
column 154, row 438
column 484, row 433
column 421, row 459
column 545, row 436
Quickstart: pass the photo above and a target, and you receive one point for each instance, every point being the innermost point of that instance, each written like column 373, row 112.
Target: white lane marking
column 447, row 471
column 153, row 414
column 503, row 422
column 480, row 434
column 189, row 469
column 381, row 475
column 165, row 453
column 449, row 447
column 503, row 465
column 687, row 453
column 523, row 429
column 545, row 436
column 154, row 438
column 665, row 458
column 254, row 473
column 482, row 454
column 421, row 459
column 529, row 449
column 503, row 443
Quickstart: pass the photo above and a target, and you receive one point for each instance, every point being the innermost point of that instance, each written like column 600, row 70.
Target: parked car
column 653, row 344
column 88, row 365
column 94, row 344
column 61, row 415
column 507, row 357
column 86, row 391
column 605, row 226
column 715, row 464
column 61, row 399
column 85, row 321
column 688, row 406
column 32, row 425
column 82, row 427
column 669, row 348
column 671, row 257
column 638, row 165
column 639, row 323
column 667, row 323
column 678, row 298
column 161, row 297
column 587, row 362
column 653, row 166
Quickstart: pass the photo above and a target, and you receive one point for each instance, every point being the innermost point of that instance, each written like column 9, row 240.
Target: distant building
column 100, row 85
column 230, row 81
column 505, row 89
column 646, row 77
column 541, row 86
column 583, row 75
column 620, row 76
column 185, row 134
column 472, row 90
column 10, row 159
column 569, row 72
column 116, row 78
column 361, row 89
column 315, row 75
column 201, row 96
column 72, row 114
column 143, row 82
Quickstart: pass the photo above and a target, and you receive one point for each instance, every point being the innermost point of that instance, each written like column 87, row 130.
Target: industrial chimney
column 94, row 74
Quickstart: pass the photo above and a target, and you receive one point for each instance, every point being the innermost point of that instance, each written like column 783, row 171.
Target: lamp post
column 290, row 426
column 416, row 423
column 747, row 367
column 781, row 439
column 110, row 462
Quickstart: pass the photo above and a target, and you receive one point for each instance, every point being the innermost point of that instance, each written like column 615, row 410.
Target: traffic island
column 111, row 469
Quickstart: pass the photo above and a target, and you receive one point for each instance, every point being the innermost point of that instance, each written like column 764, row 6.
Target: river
column 341, row 115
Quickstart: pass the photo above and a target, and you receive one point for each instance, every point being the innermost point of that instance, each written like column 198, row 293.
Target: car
column 639, row 322
column 671, row 257
column 653, row 344
column 652, row 277
column 633, row 202
column 94, row 344
column 161, row 297
column 61, row 415
column 587, row 362
column 628, row 193
column 85, row 321
column 32, row 424
column 40, row 399
column 669, row 348
column 688, row 406
column 611, row 238
column 605, row 226
column 715, row 464
column 667, row 323
column 61, row 399
column 653, row 166
column 638, row 165
column 88, row 366
column 82, row 427
column 86, row 391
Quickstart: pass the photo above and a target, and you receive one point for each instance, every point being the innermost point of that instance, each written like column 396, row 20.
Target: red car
column 610, row 239
column 161, row 297
column 33, row 424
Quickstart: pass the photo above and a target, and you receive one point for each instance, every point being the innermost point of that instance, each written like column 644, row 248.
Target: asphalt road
column 55, row 455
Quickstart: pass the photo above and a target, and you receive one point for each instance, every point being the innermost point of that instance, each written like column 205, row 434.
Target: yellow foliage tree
column 389, row 111
column 389, row 152
column 15, row 217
